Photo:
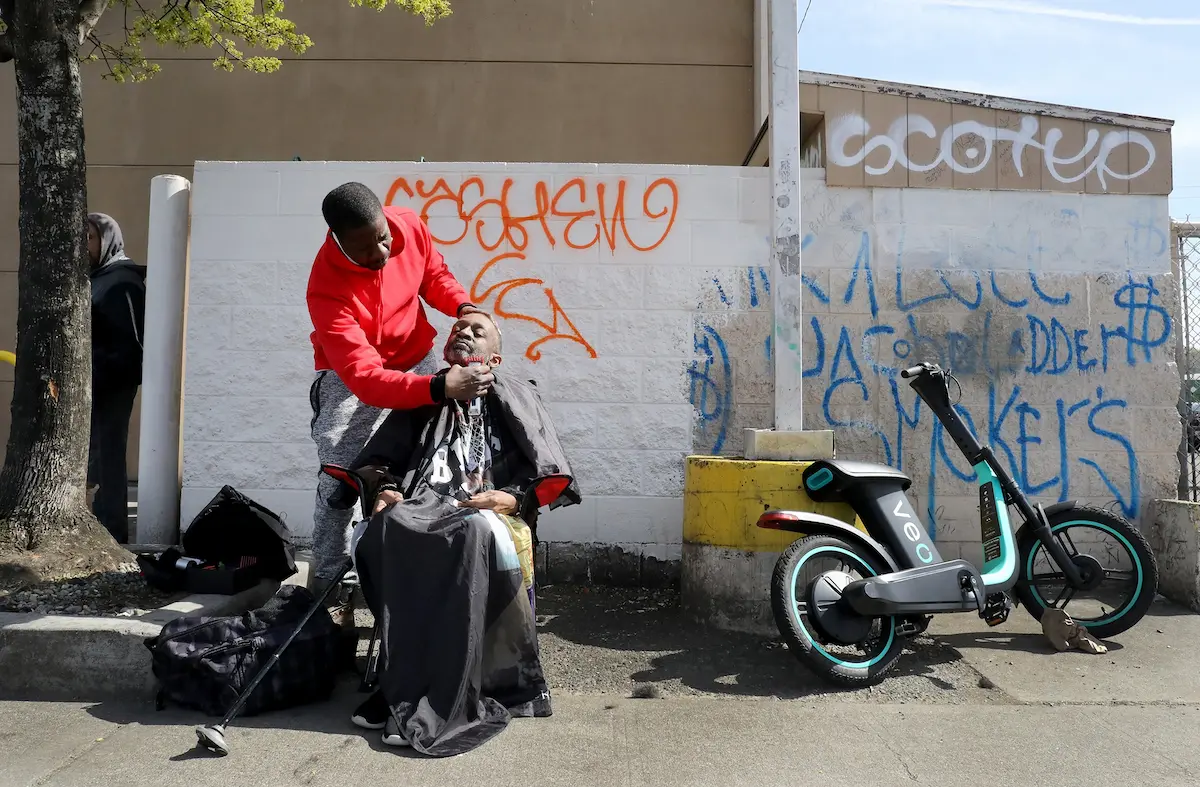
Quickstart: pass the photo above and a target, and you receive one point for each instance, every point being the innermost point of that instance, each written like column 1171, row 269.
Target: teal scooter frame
column 903, row 579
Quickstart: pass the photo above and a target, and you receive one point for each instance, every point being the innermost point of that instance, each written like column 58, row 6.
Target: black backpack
column 239, row 543
column 203, row 663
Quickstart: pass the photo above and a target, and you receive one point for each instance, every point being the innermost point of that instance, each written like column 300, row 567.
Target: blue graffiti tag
column 761, row 273
column 1041, row 347
column 1005, row 336
column 1046, row 343
column 712, row 397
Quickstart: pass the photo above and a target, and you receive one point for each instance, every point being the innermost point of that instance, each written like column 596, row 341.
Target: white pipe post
column 160, row 464
column 787, row 290
column 762, row 69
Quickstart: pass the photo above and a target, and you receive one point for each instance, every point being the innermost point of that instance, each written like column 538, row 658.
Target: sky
column 1110, row 55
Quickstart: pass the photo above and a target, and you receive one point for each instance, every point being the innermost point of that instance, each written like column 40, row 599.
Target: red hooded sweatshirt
column 370, row 325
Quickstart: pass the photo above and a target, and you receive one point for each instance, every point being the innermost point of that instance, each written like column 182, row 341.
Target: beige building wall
column 637, row 81
column 876, row 134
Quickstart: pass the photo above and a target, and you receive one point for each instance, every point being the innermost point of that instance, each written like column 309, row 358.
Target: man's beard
column 461, row 352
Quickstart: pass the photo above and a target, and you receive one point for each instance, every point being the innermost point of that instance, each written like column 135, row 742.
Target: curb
column 71, row 658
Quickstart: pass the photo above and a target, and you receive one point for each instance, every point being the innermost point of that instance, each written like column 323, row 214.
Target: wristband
column 437, row 388
column 463, row 306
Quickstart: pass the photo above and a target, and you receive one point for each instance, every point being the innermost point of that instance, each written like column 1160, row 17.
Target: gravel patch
column 637, row 643
column 120, row 593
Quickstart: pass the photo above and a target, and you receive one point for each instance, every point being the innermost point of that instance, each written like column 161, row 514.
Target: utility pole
column 787, row 339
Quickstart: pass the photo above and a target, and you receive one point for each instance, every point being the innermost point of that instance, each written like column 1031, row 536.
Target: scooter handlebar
column 917, row 371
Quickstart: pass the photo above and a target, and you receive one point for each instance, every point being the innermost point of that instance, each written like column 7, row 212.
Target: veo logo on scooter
column 912, row 531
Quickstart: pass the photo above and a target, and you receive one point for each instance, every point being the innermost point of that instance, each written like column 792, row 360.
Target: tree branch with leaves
column 45, row 527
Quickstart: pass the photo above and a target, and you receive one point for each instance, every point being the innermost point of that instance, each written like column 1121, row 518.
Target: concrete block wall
column 1055, row 311
column 1174, row 535
column 604, row 279
column 639, row 299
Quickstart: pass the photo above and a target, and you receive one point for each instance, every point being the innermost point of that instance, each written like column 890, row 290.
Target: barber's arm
column 358, row 364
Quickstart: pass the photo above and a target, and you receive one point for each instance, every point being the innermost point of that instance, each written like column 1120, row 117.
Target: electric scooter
column 891, row 579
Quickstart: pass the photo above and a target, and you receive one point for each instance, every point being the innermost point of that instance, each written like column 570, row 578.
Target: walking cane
column 212, row 736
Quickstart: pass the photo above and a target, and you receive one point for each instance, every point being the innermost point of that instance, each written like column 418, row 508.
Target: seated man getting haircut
column 446, row 557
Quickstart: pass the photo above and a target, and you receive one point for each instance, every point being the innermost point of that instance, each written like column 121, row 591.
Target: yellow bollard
column 8, row 357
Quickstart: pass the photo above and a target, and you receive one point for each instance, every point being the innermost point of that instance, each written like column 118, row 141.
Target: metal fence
column 1187, row 246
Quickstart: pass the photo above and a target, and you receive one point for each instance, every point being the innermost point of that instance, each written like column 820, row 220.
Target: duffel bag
column 203, row 663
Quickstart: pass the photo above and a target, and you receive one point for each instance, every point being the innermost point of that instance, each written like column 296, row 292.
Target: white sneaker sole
column 395, row 741
column 359, row 721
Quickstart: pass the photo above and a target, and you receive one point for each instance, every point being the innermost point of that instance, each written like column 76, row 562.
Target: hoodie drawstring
column 379, row 321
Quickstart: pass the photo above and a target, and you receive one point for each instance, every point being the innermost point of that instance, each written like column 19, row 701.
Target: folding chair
column 212, row 736
column 547, row 489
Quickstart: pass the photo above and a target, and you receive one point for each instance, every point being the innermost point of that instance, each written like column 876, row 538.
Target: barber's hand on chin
column 493, row 500
column 468, row 382
column 386, row 498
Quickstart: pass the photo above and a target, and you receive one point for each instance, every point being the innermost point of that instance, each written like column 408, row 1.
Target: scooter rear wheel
column 804, row 640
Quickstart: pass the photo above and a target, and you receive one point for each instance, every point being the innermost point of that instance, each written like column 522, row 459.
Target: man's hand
column 468, row 309
column 492, row 500
column 468, row 382
column 386, row 498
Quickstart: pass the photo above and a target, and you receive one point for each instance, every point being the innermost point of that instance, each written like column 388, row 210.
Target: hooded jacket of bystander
column 118, row 309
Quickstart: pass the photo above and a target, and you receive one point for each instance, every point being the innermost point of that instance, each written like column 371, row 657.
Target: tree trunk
column 43, row 484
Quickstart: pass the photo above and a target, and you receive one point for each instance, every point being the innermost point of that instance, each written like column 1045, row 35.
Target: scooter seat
column 830, row 479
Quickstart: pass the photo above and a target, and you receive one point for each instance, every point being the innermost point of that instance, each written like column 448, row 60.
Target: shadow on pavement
column 598, row 639
column 1165, row 608
column 1027, row 638
column 331, row 717
column 1008, row 641
column 615, row 642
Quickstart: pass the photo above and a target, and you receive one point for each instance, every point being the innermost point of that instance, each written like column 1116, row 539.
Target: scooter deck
column 952, row 586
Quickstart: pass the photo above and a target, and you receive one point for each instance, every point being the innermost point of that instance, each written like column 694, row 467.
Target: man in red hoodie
column 372, row 344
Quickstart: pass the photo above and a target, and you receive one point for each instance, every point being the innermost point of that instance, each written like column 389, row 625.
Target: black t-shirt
column 455, row 467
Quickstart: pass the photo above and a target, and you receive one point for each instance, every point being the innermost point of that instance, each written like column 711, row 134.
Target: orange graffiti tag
column 570, row 201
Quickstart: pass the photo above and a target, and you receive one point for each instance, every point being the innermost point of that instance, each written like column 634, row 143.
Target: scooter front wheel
column 877, row 652
column 1118, row 566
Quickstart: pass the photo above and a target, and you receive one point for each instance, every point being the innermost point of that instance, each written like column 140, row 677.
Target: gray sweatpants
column 341, row 426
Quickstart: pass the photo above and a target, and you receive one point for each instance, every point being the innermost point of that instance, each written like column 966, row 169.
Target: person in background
column 372, row 343
column 118, row 319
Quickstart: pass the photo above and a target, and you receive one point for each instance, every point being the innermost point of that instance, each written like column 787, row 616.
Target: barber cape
column 458, row 655
column 406, row 445
column 459, row 443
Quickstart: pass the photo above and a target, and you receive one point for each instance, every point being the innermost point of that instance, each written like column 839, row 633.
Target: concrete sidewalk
column 603, row 742
column 1154, row 662
column 966, row 705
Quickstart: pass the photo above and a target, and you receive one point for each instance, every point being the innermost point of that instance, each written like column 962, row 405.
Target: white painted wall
column 679, row 323
column 624, row 415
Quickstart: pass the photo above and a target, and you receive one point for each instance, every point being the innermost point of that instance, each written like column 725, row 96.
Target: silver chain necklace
column 473, row 427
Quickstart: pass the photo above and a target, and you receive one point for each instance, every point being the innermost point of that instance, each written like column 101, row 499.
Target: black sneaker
column 372, row 714
column 392, row 735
